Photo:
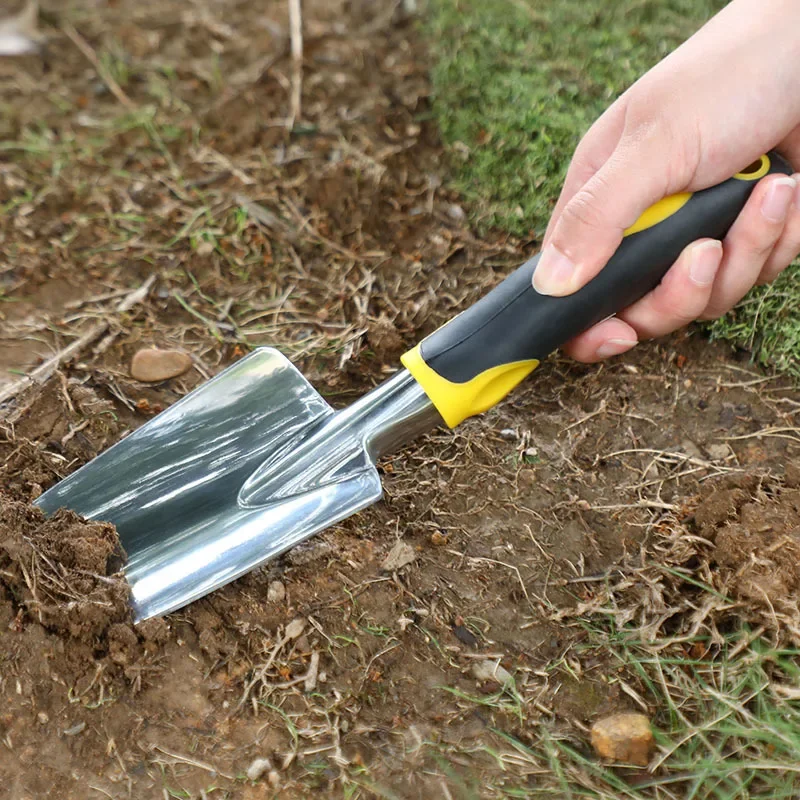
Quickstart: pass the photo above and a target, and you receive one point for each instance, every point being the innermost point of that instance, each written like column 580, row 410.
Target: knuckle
column 586, row 208
column 757, row 240
column 681, row 307
column 771, row 270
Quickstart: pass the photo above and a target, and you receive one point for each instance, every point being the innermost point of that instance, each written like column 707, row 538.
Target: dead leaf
column 399, row 556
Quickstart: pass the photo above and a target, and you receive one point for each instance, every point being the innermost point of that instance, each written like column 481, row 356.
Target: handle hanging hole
column 758, row 169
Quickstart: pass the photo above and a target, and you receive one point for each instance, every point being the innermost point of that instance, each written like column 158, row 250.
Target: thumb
column 591, row 225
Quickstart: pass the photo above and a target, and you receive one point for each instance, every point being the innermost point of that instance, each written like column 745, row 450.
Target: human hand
column 727, row 95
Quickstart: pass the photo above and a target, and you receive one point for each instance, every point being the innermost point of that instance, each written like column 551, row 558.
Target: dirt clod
column 384, row 339
column 57, row 568
column 152, row 365
column 624, row 738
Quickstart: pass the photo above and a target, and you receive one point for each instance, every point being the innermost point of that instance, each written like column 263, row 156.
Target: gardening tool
column 255, row 461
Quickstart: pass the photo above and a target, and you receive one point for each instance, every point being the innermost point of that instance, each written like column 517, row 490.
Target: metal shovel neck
column 346, row 442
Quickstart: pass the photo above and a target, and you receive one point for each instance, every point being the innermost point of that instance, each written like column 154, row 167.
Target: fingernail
column 775, row 206
column 554, row 272
column 796, row 177
column 614, row 347
column 704, row 261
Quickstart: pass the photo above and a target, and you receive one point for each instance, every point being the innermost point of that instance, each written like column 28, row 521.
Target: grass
column 724, row 705
column 516, row 83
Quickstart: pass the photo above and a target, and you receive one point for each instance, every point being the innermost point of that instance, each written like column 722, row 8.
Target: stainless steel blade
column 164, row 484
column 240, row 470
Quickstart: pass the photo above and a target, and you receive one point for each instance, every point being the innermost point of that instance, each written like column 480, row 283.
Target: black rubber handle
column 514, row 323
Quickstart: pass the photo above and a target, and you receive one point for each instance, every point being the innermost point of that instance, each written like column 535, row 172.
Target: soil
column 754, row 525
column 337, row 241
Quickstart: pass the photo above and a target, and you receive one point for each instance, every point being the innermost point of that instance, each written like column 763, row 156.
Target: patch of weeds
column 727, row 719
column 766, row 323
column 715, row 672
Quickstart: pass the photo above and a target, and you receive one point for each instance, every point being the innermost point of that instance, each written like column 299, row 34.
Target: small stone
column 491, row 671
column 465, row 635
column 152, row 365
column 75, row 729
column 691, row 449
column 43, row 718
column 294, row 629
column 274, row 778
column 456, row 213
column 399, row 556
column 718, row 452
column 276, row 593
column 508, row 433
column 257, row 768
column 624, row 738
column 652, row 473
column 438, row 538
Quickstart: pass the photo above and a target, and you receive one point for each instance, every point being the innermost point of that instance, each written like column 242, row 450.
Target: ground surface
column 541, row 533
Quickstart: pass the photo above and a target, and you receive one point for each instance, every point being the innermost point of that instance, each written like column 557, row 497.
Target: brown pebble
column 150, row 366
column 624, row 738
column 438, row 538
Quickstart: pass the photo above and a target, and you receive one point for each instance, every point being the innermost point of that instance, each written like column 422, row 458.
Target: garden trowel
column 255, row 461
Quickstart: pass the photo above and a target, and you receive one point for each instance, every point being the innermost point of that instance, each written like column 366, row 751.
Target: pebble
column 508, row 433
column 456, row 213
column 152, row 365
column 276, row 593
column 624, row 738
column 43, row 718
column 718, row 452
column 438, row 538
column 691, row 449
column 258, row 767
column 399, row 556
column 491, row 671
column 294, row 629
column 75, row 729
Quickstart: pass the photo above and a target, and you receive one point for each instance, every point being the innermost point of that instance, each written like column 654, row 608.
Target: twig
column 104, row 74
column 46, row 369
column 776, row 433
column 296, row 38
column 599, row 410
column 191, row 761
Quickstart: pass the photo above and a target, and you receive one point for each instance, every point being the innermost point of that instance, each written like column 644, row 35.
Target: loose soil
column 337, row 242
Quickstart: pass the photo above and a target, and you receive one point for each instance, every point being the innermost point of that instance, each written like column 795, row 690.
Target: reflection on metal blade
column 229, row 544
column 241, row 469
column 171, row 487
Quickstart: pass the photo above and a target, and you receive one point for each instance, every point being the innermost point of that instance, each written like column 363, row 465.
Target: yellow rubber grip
column 659, row 211
column 457, row 401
